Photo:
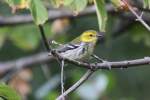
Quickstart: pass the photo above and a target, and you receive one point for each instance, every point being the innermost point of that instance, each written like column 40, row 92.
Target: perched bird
column 81, row 48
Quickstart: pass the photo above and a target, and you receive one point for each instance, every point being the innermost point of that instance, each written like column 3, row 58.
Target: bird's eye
column 91, row 35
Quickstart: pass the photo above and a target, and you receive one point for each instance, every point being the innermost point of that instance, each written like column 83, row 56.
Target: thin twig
column 62, row 79
column 139, row 17
column 77, row 84
column 49, row 49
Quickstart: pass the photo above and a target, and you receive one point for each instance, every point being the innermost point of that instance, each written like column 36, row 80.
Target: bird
column 80, row 48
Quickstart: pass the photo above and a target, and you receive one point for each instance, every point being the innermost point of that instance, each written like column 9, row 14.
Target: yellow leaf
column 18, row 4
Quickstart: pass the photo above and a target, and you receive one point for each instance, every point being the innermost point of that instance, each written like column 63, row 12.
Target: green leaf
column 56, row 3
column 13, row 2
column 101, row 14
column 2, row 39
column 38, row 12
column 75, row 5
column 140, row 34
column 116, row 3
column 68, row 2
column 8, row 93
column 18, row 4
column 25, row 37
column 146, row 4
column 3, row 35
column 78, row 5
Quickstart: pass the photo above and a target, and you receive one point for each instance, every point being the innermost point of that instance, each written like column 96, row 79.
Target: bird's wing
column 67, row 47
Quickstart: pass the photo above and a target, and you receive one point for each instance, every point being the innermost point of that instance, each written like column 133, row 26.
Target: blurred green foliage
column 146, row 4
column 101, row 14
column 7, row 93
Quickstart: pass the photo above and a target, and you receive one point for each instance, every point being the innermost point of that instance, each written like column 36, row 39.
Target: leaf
column 91, row 1
column 146, row 4
column 57, row 3
column 101, row 14
column 75, row 5
column 119, row 4
column 116, row 3
column 67, row 2
column 78, row 5
column 38, row 12
column 13, row 2
column 140, row 34
column 24, row 37
column 8, row 93
column 18, row 4
column 3, row 35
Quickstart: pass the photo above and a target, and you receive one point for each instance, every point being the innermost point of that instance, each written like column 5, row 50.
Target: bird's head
column 89, row 36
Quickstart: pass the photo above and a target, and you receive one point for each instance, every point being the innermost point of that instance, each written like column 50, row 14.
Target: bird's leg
column 101, row 60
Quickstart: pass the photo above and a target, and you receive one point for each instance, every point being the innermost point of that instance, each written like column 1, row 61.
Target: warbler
column 81, row 48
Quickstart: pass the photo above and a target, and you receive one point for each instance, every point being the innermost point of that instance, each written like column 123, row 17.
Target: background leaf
column 8, row 93
column 25, row 37
column 140, row 34
column 56, row 3
column 146, row 4
column 38, row 12
column 78, row 5
column 75, row 5
column 2, row 39
column 13, row 2
column 101, row 14
column 68, row 2
column 18, row 4
column 116, row 3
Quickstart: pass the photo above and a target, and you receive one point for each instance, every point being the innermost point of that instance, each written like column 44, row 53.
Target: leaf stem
column 44, row 38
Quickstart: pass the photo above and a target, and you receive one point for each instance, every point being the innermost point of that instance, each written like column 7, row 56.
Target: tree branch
column 42, row 57
column 139, row 18
column 77, row 84
column 107, row 65
column 52, row 14
column 25, row 61
column 104, row 65
column 59, row 13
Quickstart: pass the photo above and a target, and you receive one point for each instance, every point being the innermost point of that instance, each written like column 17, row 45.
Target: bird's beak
column 99, row 35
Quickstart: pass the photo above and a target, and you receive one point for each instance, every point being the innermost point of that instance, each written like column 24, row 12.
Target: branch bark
column 139, row 18
column 25, row 61
column 52, row 14
column 59, row 13
column 77, row 84
column 109, row 65
column 43, row 57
